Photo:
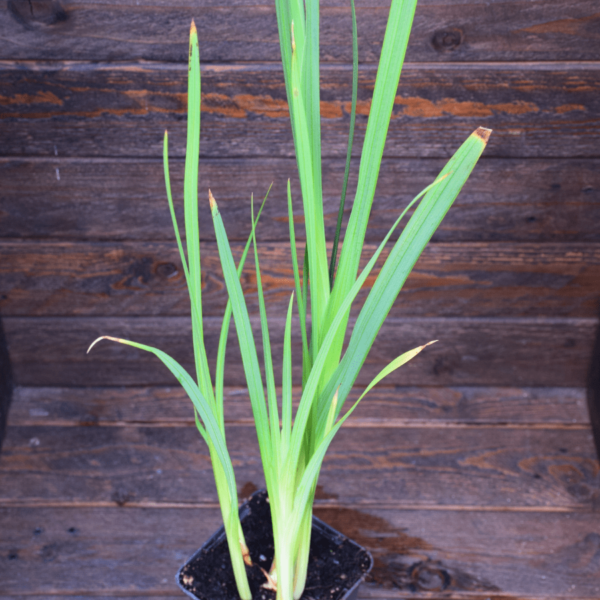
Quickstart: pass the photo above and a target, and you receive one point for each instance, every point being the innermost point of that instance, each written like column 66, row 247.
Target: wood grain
column 449, row 280
column 385, row 407
column 244, row 30
column 498, row 352
column 81, row 550
column 96, row 109
column 410, row 467
column 536, row 200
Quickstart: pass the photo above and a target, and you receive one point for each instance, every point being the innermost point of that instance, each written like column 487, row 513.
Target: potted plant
column 292, row 446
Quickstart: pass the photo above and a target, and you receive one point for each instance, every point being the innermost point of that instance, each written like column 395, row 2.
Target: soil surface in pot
column 335, row 562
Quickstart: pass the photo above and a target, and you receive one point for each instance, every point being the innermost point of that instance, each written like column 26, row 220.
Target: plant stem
column 302, row 555
column 233, row 528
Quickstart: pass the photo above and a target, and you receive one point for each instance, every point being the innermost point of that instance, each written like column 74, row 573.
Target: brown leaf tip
column 213, row 202
column 483, row 134
column 246, row 554
column 193, row 30
column 271, row 583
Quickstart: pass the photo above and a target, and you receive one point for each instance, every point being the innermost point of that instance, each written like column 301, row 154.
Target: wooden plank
column 91, row 109
column 386, row 407
column 425, row 467
column 242, row 30
column 396, row 573
column 526, row 352
column 537, row 200
column 100, row 551
column 449, row 280
column 6, row 383
column 129, row 596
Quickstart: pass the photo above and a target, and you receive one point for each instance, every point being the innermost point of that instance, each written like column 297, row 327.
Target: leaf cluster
column 292, row 446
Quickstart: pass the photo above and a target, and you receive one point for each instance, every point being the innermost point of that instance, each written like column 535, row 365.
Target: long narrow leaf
column 220, row 368
column 288, row 12
column 192, row 235
column 201, row 404
column 401, row 260
column 312, row 202
column 310, row 73
column 172, row 207
column 338, row 227
column 245, row 338
column 386, row 84
column 196, row 316
column 311, row 472
column 300, row 300
column 268, row 358
column 286, row 383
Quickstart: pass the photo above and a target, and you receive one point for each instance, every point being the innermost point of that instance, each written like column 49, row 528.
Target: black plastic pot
column 337, row 565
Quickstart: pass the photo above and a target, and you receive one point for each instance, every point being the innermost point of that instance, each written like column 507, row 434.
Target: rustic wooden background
column 472, row 473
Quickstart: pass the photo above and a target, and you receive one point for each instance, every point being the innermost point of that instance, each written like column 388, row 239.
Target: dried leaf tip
column 335, row 398
column 245, row 554
column 193, row 30
column 213, row 202
column 102, row 337
column 271, row 583
column 483, row 134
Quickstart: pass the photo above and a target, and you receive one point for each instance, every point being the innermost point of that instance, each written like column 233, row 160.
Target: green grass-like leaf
column 338, row 227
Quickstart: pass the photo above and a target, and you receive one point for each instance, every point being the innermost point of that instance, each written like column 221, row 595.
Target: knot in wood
column 32, row 14
column 447, row 40
column 429, row 577
column 166, row 270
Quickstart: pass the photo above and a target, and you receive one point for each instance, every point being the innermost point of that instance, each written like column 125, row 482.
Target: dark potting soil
column 335, row 562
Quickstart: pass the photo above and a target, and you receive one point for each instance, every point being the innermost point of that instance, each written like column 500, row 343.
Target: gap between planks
column 362, row 595
column 355, row 423
column 582, row 321
column 41, row 65
column 318, row 504
column 396, row 594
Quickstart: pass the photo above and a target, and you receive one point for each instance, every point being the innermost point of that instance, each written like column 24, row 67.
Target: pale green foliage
column 292, row 447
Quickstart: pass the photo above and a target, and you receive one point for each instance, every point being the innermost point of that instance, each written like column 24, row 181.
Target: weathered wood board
column 449, row 280
column 473, row 493
column 526, row 351
column 551, row 467
column 534, row 200
column 510, row 554
column 95, row 109
column 385, row 406
column 244, row 30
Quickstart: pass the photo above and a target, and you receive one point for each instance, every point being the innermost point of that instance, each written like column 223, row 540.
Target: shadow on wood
column 593, row 391
column 6, row 383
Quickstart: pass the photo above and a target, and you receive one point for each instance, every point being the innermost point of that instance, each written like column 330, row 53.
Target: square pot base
column 337, row 565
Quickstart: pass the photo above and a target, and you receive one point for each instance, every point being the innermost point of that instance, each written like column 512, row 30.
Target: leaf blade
column 401, row 260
